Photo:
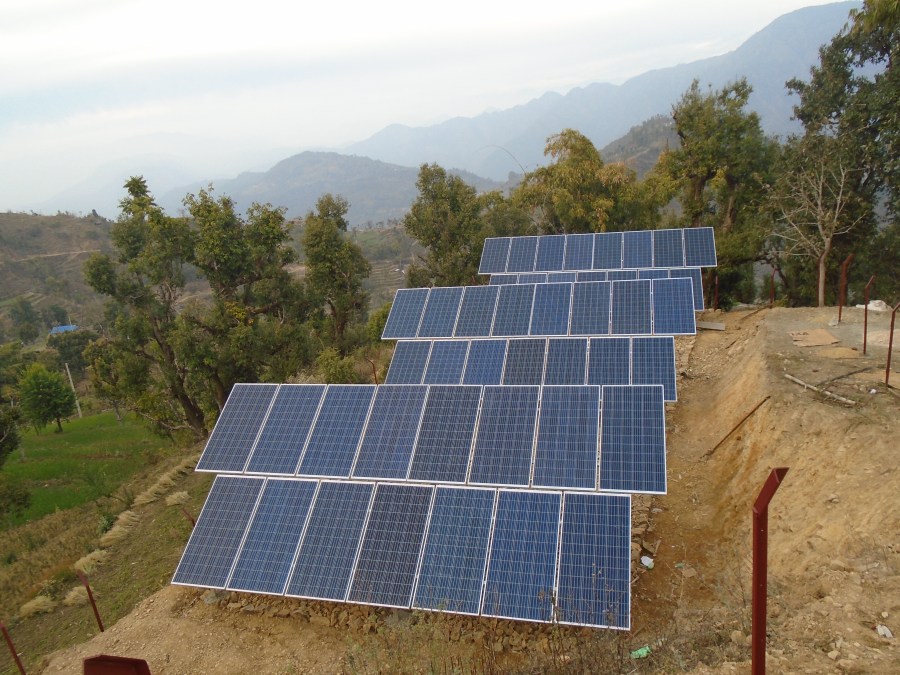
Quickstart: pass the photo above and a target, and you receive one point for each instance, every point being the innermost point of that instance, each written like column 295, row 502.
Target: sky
column 210, row 88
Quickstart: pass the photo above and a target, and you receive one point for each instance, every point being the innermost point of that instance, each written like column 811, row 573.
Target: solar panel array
column 491, row 474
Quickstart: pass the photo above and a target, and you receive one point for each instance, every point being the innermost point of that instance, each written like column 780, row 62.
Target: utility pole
column 72, row 384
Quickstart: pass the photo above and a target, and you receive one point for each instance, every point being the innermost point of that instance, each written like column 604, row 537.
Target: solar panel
column 594, row 587
column 386, row 568
column 445, row 435
column 653, row 274
column 637, row 249
column 653, row 362
column 551, row 309
column 525, row 361
column 286, row 429
column 485, row 362
column 694, row 274
column 406, row 313
column 532, row 278
column 494, row 255
column 236, row 429
column 699, row 247
column 522, row 564
column 505, row 436
column 550, row 253
column 408, row 363
column 265, row 560
column 592, row 275
column 622, row 275
column 566, row 361
column 439, row 316
column 568, row 427
column 631, row 313
column 216, row 537
column 448, row 358
column 607, row 251
column 673, row 307
column 328, row 550
column 335, row 436
column 560, row 277
column 521, row 254
column 579, row 252
column 590, row 308
column 668, row 248
column 513, row 310
column 476, row 313
column 633, row 440
column 455, row 553
column 387, row 443
column 501, row 279
column 609, row 361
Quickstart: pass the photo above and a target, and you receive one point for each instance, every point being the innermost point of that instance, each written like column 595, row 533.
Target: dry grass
column 123, row 524
column 75, row 597
column 165, row 482
column 91, row 561
column 42, row 604
column 177, row 498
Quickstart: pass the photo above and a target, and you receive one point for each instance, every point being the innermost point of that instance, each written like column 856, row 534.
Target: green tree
column 26, row 320
column 70, row 348
column 14, row 498
column 9, row 432
column 46, row 397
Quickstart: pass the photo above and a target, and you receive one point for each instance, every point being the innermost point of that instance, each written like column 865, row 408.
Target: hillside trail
column 834, row 534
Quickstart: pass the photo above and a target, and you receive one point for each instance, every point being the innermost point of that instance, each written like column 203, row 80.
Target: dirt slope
column 834, row 554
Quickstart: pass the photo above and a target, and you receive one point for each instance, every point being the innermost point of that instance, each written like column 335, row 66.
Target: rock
column 833, row 654
column 319, row 620
column 234, row 605
column 838, row 565
column 250, row 609
column 884, row 631
column 737, row 637
column 833, row 499
column 689, row 572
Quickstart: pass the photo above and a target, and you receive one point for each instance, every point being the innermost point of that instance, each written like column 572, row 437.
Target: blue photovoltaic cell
column 653, row 362
column 525, row 361
column 551, row 249
column 631, row 307
column 500, row 279
column 521, row 254
column 335, row 436
column 532, row 278
column 387, row 443
column 699, row 247
column 266, row 557
column 484, row 364
column 622, row 275
column 388, row 556
column 590, row 308
column 609, row 361
column 561, row 277
column 452, row 569
column 595, row 561
column 633, row 439
column 693, row 273
column 284, row 435
column 579, row 252
column 236, row 429
column 215, row 539
column 607, row 251
column 505, row 436
column 566, row 361
column 668, row 248
column 439, row 316
column 476, row 313
column 448, row 357
column 593, row 275
column 551, row 309
column 513, row 310
column 637, row 249
column 408, row 363
column 522, row 566
column 673, row 307
column 406, row 313
column 569, row 423
column 326, row 556
column 445, row 436
column 653, row 274
column 493, row 255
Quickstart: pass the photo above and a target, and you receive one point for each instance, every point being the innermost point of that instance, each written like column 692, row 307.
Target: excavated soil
column 834, row 540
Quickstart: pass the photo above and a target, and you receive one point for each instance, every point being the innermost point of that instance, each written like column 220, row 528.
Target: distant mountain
column 496, row 143
column 641, row 147
column 377, row 191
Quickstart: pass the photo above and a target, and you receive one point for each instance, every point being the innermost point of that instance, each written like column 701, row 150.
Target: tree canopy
column 45, row 397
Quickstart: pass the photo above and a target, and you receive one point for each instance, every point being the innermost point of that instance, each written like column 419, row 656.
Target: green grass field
column 89, row 460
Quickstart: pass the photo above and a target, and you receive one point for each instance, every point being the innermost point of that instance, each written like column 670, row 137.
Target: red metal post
column 887, row 369
column 760, row 569
column 12, row 648
column 187, row 514
column 842, row 294
column 866, row 314
column 87, row 587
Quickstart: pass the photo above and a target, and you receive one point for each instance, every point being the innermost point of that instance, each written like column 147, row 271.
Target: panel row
column 538, row 556
column 693, row 273
column 581, row 437
column 542, row 361
column 630, row 307
column 638, row 249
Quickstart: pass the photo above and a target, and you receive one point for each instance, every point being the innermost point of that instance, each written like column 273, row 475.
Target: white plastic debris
column 647, row 562
column 884, row 631
column 875, row 306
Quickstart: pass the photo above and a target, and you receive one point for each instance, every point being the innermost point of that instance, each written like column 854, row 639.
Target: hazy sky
column 119, row 86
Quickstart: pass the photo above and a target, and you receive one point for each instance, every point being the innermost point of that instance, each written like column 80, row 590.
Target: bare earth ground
column 834, row 531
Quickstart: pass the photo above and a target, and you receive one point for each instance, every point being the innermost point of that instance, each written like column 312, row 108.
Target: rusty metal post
column 12, row 648
column 760, row 568
column 187, row 514
column 842, row 292
column 866, row 314
column 887, row 369
column 87, row 587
